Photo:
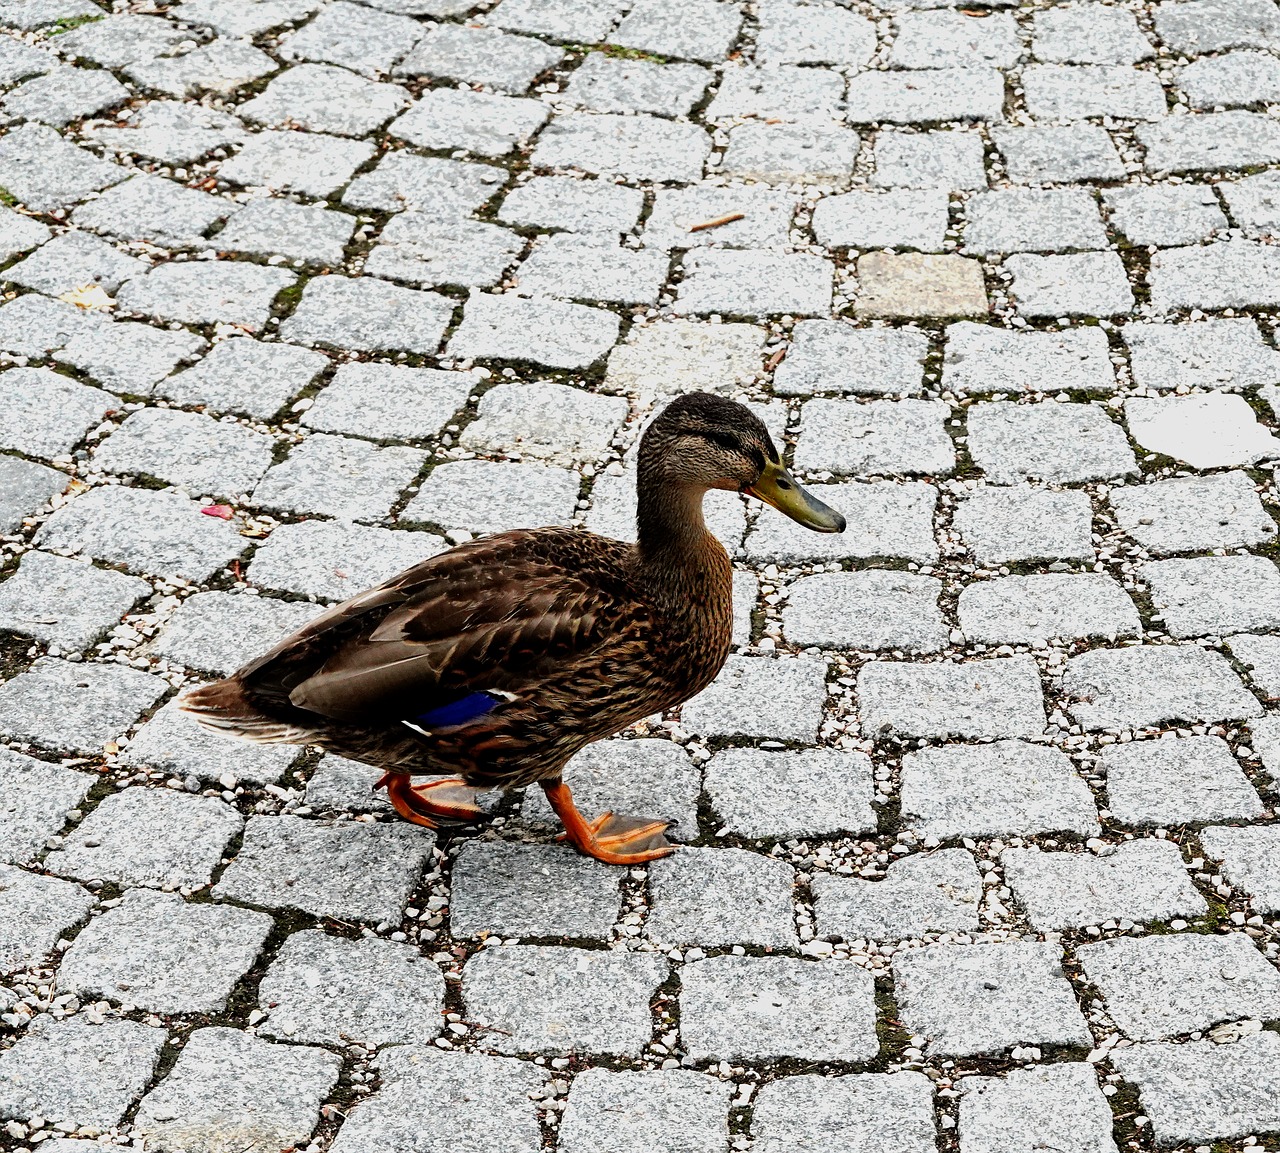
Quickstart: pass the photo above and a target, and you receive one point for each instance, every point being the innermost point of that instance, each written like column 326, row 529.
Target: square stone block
column 35, row 911
column 547, row 332
column 242, row 375
column 897, row 437
column 621, row 1111
column 1021, row 523
column 1177, row 780
column 1032, row 610
column 833, row 356
column 545, row 421
column 870, row 610
column 389, row 401
column 1193, row 513
column 36, row 799
column 492, row 496
column 1055, row 442
column 981, row 358
column 912, row 285
column 762, row 698
column 1214, row 595
column 1040, row 1107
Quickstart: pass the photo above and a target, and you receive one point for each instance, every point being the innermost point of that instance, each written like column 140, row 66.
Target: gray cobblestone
column 1021, row 523
column 858, row 1111
column 1238, row 78
column 579, row 21
column 1088, row 36
column 217, row 632
column 389, row 402
column 821, row 154
column 70, row 410
column 38, row 797
column 579, row 268
column 550, row 422
column 169, row 131
column 43, row 171
column 1045, row 1105
column 891, row 436
column 1037, row 155
column 758, row 697
column 589, row 206
column 702, row 30
column 942, row 159
column 130, row 357
column 870, row 610
column 220, row 66
column 782, row 93
column 1221, row 353
column 639, row 147
column 1215, row 595
column 25, row 489
column 301, row 232
column 480, row 56
column 65, row 95
column 716, row 897
column 926, row 97
column 417, row 248
column 1187, row 514
column 754, row 283
column 1207, row 430
column 1210, row 140
column 1261, row 657
column 1076, row 92
column 241, row 375
column 1083, row 284
column 1250, row 861
column 1174, row 781
column 355, row 36
column 549, row 332
column 833, row 356
column 487, row 496
column 1211, row 25
column 675, row 211
column 206, row 293
column 1054, row 442
column 340, row 785
column 322, row 98
column 620, row 1110
column 1233, row 274
column 476, row 122
column 945, row 38
column 1164, row 214
column 1032, row 610
column 1253, row 204
column 603, row 84
column 447, row 188
column 71, row 260
column 1032, row 220
column 35, row 911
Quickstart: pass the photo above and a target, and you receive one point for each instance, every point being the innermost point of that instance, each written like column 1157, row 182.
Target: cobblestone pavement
column 980, row 850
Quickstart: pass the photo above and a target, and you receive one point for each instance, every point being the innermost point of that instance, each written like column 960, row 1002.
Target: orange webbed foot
column 434, row 804
column 612, row 839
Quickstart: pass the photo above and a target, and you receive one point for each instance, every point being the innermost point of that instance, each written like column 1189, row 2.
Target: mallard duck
column 501, row 658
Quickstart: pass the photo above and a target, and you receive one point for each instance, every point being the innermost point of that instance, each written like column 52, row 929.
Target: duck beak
column 779, row 488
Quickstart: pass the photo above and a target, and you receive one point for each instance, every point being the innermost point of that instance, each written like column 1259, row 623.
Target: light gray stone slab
column 859, row 1112
column 25, row 489
column 545, row 421
column 35, row 911
column 512, row 890
column 806, row 153
column 1035, row 609
column 1174, row 781
column 1163, row 214
column 587, row 206
column 1066, row 92
column 548, row 332
column 1202, row 1091
column 161, row 954
column 1055, row 442
column 577, row 21
column 869, row 610
column 1032, row 220
column 604, row 84
column 65, row 602
column 1215, row 595
column 1081, row 284
column 1254, row 204
column 644, row 777
column 42, row 171
column 1045, row 1106
column 206, row 292
column 998, row 697
column 984, row 999
column 19, row 233
column 833, row 356
column 713, row 897
column 233, row 1089
column 551, row 999
column 808, row 34
column 242, row 375
column 153, row 837
column 1231, row 80
column 95, row 703
column 1021, row 523
column 329, row 990
column 333, row 560
column 419, row 249
column 71, row 260
column 1250, row 861
column 926, row 97
column 488, row 496
column 369, row 315
column 686, row 29
column 580, row 268
column 348, row 870
column 1088, row 34
column 950, row 159
column 280, row 227
column 891, row 436
column 674, row 355
column 1038, row 155
column 19, row 60
column 65, row 95
column 922, row 893
column 356, row 36
column 903, row 218
column 477, row 122
column 447, row 188
column 463, row 1093
column 886, row 519
column 639, row 147
column 324, row 98
column 217, row 632
column 389, row 401
column 28, row 15
column 1187, row 514
column 758, row 697
column 1260, row 655
column 130, row 357
column 45, row 414
column 762, row 1008
column 118, row 40
column 188, row 449
column 1009, row 787
column 912, row 285
column 169, row 131
column 340, row 785
column 1212, row 25
column 310, row 163
column 1229, row 274
column 221, row 66
column 85, row 1075
column 1207, row 430
column 1156, row 987
column 1143, row 880
column 480, row 56
column 37, row 797
column 621, row 1111
column 1208, row 141
column 779, row 92
column 949, row 39
column 1216, row 353
column 755, row 283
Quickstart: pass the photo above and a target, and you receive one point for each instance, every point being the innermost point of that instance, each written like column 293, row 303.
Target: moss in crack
column 894, row 1036
column 67, row 23
column 7, row 198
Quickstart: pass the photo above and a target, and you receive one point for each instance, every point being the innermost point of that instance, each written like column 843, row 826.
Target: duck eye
column 785, row 485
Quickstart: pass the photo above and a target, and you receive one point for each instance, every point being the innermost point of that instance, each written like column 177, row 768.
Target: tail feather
column 224, row 707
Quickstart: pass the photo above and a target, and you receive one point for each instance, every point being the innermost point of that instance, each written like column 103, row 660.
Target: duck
column 491, row 664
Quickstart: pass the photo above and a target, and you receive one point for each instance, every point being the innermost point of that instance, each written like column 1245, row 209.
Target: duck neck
column 680, row 561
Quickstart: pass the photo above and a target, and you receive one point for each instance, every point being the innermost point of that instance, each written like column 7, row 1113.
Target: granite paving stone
column 781, row 92
column 1044, row 1106
column 1260, row 655
column 19, row 233
column 309, row 163
column 25, row 489
column 885, row 520
column 332, row 560
column 580, row 268
column 230, row 1088
column 605, row 84
column 904, row 218
column 301, row 232
column 217, row 632
column 1214, row 595
column 685, row 29
column 893, row 436
column 1217, row 353
column 1192, row 513
column 548, row 332
column 919, row 894
column 326, row 990
column 130, row 357
column 173, row 742
column 476, row 122
column 480, row 56
column 1032, row 220
column 1143, row 880
column 1201, row 26
column 389, row 401
column 859, row 1111
column 1229, row 274
column 168, row 131
column 1210, row 140
column 554, row 999
column 1164, row 214
column 1250, row 861
column 944, row 38
column 713, row 897
column 1052, row 154
column 1203, row 1091
column 159, row 953
column 462, row 1092
column 19, row 60
column 983, row 999
column 801, row 801
column 778, row 699
column 28, row 15
column 85, row 1075
column 1021, row 523
column 644, row 777
column 188, row 449
column 118, row 40
column 549, row 422
column 951, row 159
column 35, row 911
column 805, row 153
column 446, row 188
column 419, row 249
column 754, row 283
column 45, row 414
column 1231, row 80
column 221, row 66
column 343, row 786
column 912, row 285
column 206, row 292
column 243, row 375
column 37, row 798
column 676, row 354
column 804, row 34
column 678, row 211
column 1082, row 284
column 577, row 21
column 71, row 260
column 565, row 202
column 1066, row 92
column 870, row 610
column 998, row 697
column 1172, row 781
column 346, row 870
column 926, row 97
column 638, row 147
column 1088, row 35
column 42, row 171
column 1208, row 430
column 355, row 36
column 368, row 315
column 515, row 890
column 492, row 496
column 1157, row 987
column 763, row 1008
column 1059, row 443
column 95, row 703
column 1008, row 787
column 65, row 602
column 153, row 837
column 155, row 210
column 65, row 95
column 833, row 356
column 1253, row 204
column 621, row 1111
column 1034, row 609
column 324, row 98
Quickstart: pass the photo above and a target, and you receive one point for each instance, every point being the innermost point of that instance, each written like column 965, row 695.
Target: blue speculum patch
column 458, row 712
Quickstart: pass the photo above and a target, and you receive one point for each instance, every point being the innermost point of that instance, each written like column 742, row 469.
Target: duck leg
column 435, row 804
column 613, row 840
